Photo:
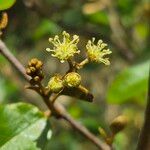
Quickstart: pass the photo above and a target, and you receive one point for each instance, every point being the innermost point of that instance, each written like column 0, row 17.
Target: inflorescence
column 68, row 48
column 97, row 52
column 65, row 49
column 71, row 82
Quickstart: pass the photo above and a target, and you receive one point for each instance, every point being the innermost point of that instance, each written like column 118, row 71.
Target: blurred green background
column 120, row 88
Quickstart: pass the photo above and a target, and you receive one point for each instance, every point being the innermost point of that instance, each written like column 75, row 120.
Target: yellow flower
column 55, row 84
column 65, row 49
column 97, row 52
column 72, row 79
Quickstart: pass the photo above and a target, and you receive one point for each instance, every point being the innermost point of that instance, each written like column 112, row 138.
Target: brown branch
column 58, row 107
column 10, row 57
column 84, row 131
column 144, row 138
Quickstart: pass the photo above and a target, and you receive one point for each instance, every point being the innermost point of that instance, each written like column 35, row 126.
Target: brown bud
column 29, row 64
column 118, row 124
column 28, row 71
column 36, row 78
column 39, row 64
column 33, row 69
column 34, row 61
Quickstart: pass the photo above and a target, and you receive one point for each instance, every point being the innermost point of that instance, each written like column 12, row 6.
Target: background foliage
column 118, row 89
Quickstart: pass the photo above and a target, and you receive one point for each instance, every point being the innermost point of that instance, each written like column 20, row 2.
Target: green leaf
column 131, row 83
column 20, row 125
column 5, row 4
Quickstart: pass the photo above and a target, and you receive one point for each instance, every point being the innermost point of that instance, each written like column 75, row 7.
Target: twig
column 144, row 138
column 10, row 57
column 81, row 64
column 55, row 97
column 58, row 107
column 84, row 131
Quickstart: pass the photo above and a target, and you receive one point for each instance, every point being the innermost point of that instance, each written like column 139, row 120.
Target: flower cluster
column 69, row 83
column 97, row 52
column 67, row 48
column 34, row 70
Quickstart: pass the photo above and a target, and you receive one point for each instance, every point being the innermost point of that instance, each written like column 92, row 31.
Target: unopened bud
column 36, row 78
column 32, row 69
column 118, row 124
column 55, row 84
column 34, row 61
column 39, row 64
column 72, row 79
column 28, row 71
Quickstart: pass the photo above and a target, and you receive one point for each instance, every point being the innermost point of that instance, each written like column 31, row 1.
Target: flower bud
column 55, row 84
column 72, row 79
column 39, row 64
column 34, row 61
column 28, row 71
column 36, row 78
column 118, row 124
column 34, row 70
